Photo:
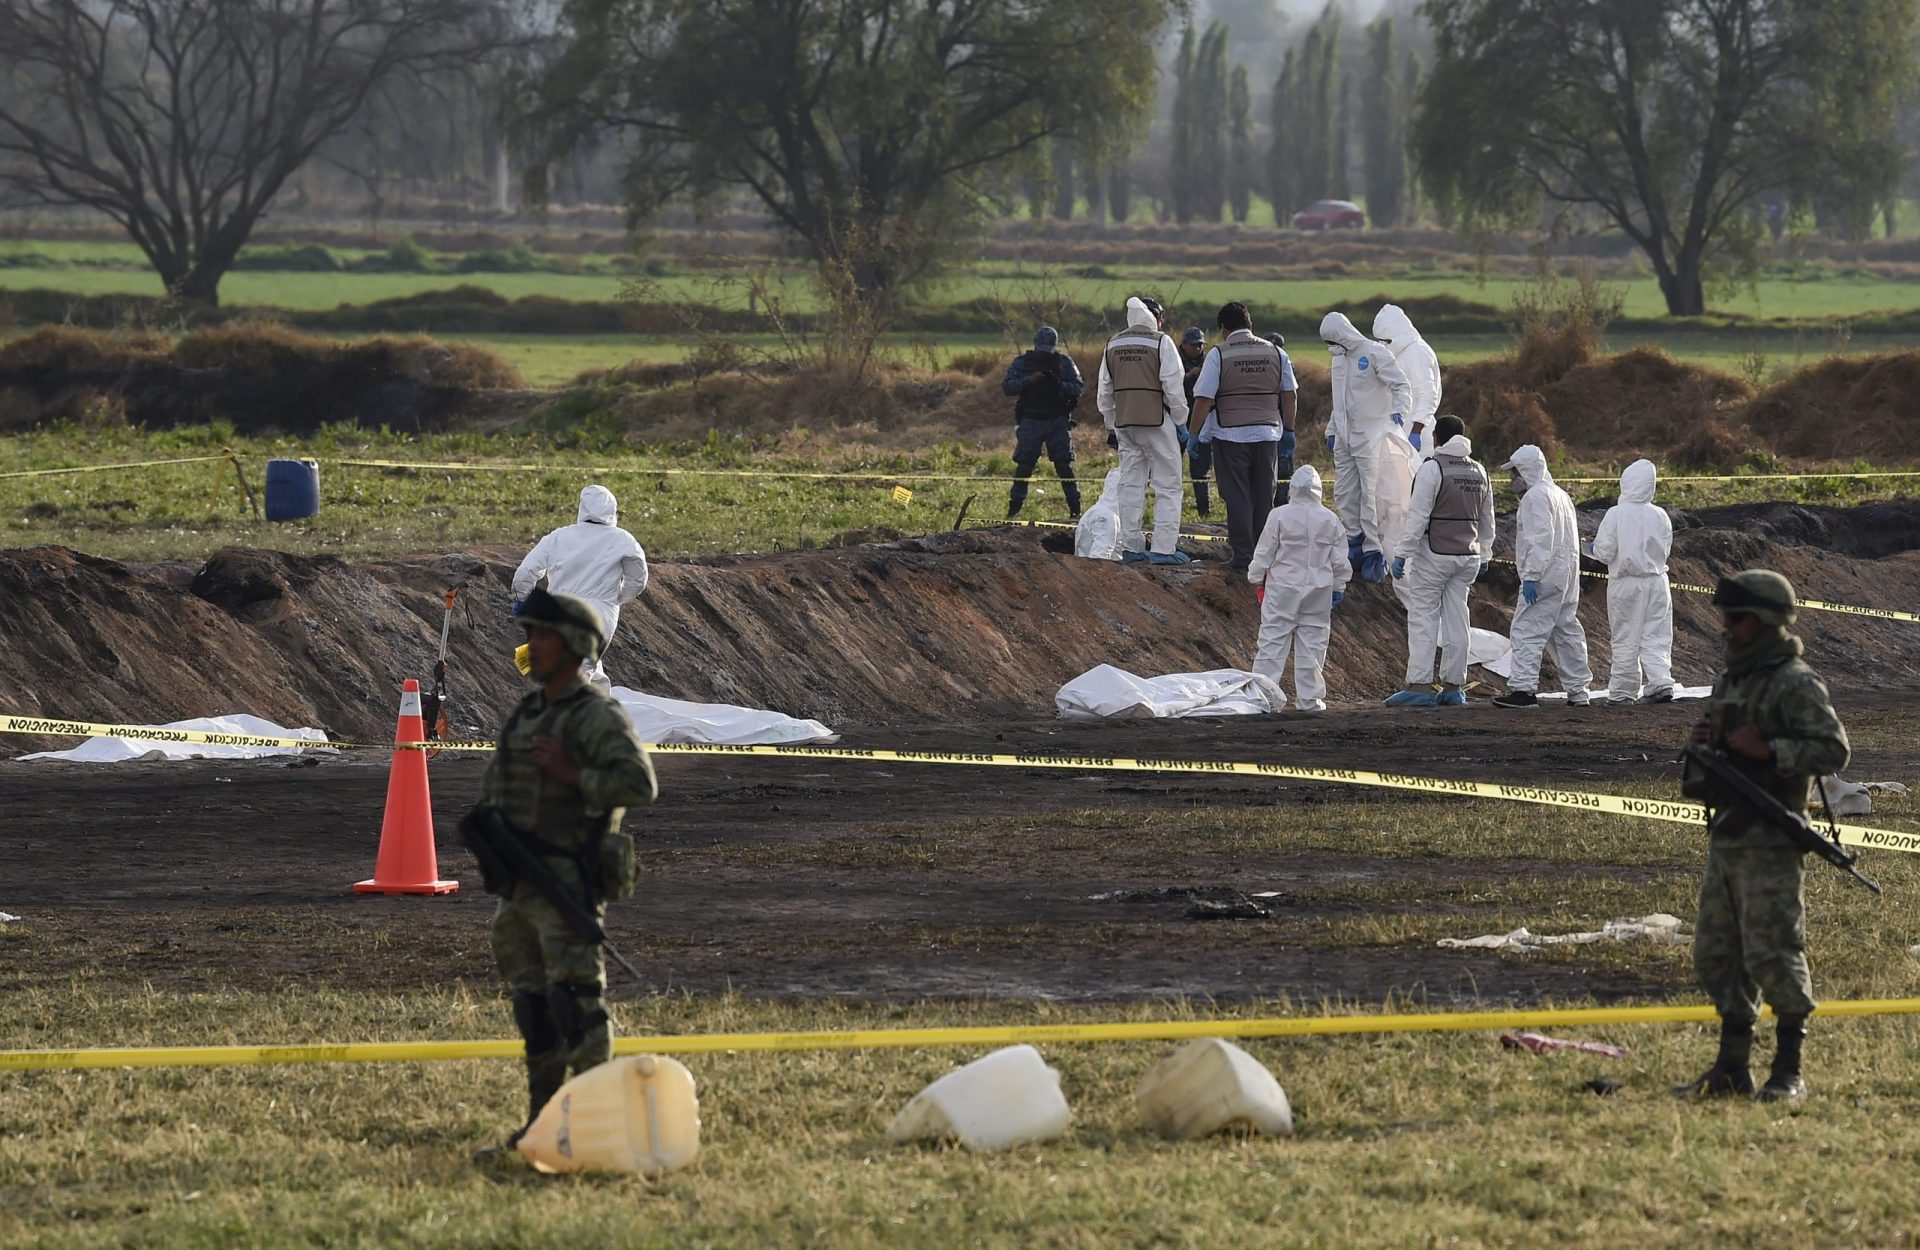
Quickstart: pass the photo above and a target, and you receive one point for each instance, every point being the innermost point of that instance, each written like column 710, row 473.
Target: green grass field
column 1824, row 297
column 163, row 512
column 1422, row 1139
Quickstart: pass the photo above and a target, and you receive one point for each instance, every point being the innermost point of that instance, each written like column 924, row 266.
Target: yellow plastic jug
column 1006, row 1099
column 1208, row 1085
column 636, row 1114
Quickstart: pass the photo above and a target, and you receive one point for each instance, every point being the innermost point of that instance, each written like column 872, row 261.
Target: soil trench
column 967, row 626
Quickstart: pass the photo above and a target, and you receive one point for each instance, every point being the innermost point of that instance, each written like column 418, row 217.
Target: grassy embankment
column 162, row 512
column 1417, row 1139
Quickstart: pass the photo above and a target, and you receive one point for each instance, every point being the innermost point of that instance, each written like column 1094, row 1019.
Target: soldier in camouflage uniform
column 566, row 767
column 1770, row 710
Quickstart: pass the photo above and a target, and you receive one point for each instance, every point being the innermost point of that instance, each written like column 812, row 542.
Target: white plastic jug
column 1208, row 1085
column 1006, row 1099
column 637, row 1114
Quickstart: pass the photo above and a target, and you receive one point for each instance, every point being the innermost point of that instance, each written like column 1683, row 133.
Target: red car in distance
column 1330, row 215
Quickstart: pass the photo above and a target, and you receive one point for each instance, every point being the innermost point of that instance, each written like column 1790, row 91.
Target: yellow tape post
column 881, row 1039
column 1678, row 811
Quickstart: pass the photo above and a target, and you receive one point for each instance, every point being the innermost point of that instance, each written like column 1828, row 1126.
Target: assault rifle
column 505, row 858
column 1722, row 783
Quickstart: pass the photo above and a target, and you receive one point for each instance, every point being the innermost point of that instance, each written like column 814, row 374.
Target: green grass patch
column 163, row 512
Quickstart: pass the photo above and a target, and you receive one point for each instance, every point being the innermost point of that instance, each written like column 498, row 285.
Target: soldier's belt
column 1677, row 811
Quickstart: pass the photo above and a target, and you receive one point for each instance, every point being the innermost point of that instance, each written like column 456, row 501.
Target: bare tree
column 181, row 119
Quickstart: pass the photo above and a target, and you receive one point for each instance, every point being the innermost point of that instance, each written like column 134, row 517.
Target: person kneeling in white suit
column 1635, row 539
column 1300, row 565
column 1445, row 544
column 1546, row 546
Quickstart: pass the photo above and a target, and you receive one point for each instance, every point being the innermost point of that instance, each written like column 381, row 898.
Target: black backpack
column 1044, row 397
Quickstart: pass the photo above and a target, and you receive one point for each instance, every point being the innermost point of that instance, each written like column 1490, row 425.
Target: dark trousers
column 1245, row 474
column 1199, row 464
column 1055, row 437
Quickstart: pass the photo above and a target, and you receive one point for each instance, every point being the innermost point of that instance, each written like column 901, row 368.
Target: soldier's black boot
column 1729, row 1074
column 1784, row 1083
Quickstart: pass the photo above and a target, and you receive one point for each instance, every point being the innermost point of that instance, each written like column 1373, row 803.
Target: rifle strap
column 1833, row 826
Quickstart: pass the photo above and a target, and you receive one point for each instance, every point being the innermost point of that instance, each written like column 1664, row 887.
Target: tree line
column 881, row 135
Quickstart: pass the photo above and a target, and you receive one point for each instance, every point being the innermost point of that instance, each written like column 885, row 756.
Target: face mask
column 1336, row 349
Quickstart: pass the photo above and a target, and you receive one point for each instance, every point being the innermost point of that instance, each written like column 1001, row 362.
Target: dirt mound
column 259, row 376
column 1557, row 392
column 970, row 626
column 1845, row 407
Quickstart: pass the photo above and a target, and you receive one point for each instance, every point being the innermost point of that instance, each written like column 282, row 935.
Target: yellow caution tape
column 1812, row 605
column 852, row 476
column 108, row 468
column 1678, row 811
column 877, row 1039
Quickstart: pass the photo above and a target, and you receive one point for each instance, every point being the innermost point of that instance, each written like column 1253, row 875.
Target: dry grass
column 1866, row 406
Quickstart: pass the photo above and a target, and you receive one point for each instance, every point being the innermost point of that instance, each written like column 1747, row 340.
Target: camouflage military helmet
column 1761, row 593
column 576, row 621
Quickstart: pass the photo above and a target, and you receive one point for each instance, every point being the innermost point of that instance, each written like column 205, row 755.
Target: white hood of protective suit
column 598, row 505
column 592, row 558
column 1303, row 547
column 1546, row 542
column 1305, row 484
column 1336, row 329
column 1636, row 535
column 1137, row 314
column 1532, row 464
column 1392, row 326
column 1637, row 483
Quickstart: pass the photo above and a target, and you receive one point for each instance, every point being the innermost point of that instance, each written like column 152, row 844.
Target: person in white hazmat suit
column 594, row 559
column 1300, row 565
column 1446, row 542
column 1142, row 396
column 1392, row 326
column 1373, row 463
column 1546, row 546
column 1635, row 539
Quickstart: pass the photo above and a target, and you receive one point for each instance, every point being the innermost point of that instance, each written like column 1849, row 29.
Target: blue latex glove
column 1329, row 442
column 1338, row 595
column 1399, row 568
column 1287, row 443
column 1414, row 438
column 517, row 605
column 1113, row 439
column 1399, row 421
column 1530, row 591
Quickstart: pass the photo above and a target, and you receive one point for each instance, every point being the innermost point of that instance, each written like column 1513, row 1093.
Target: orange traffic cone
column 407, row 863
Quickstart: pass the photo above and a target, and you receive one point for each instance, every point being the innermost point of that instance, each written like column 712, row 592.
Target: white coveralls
column 1150, row 455
column 1373, row 464
column 1546, row 546
column 1301, row 559
column 1634, row 542
column 1415, row 357
column 1436, row 587
column 593, row 558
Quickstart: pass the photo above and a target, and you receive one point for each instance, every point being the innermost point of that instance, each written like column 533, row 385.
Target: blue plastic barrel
column 293, row 489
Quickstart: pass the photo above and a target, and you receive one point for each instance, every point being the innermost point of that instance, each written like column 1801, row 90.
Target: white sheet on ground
column 1659, row 928
column 7, row 917
column 120, row 750
column 1110, row 691
column 658, row 719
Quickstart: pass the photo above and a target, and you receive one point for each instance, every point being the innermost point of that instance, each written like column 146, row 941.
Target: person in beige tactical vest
column 1445, row 544
column 1142, row 397
column 1243, row 407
